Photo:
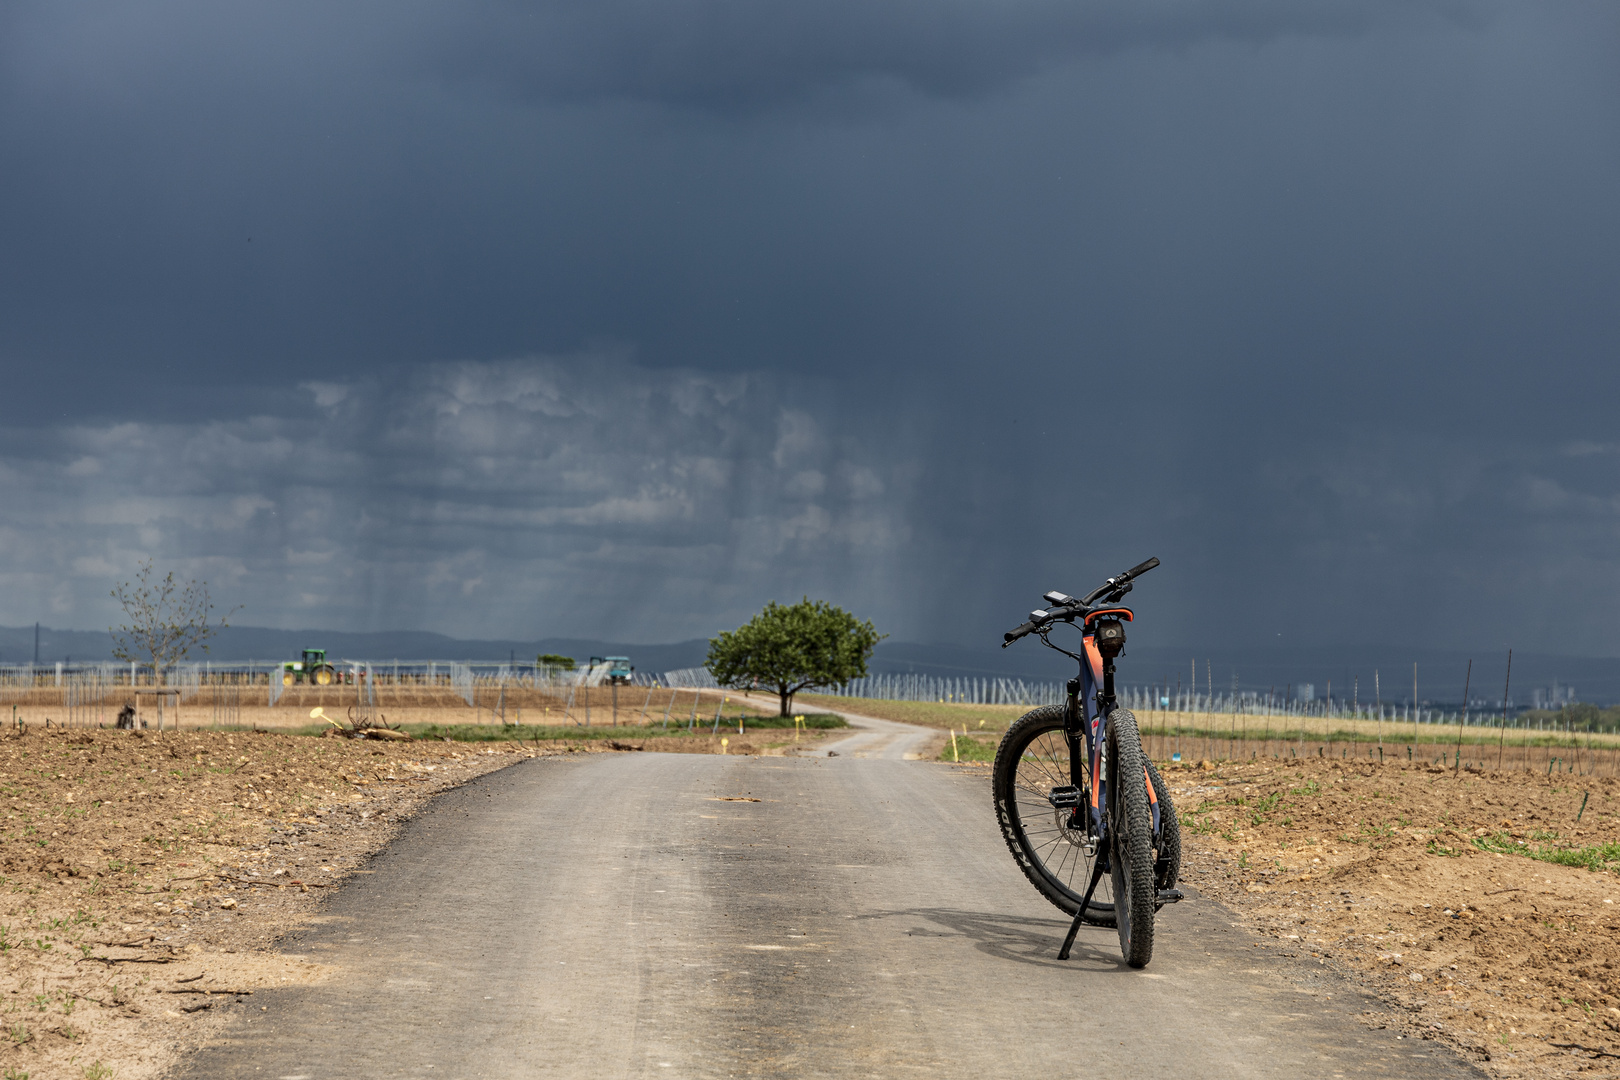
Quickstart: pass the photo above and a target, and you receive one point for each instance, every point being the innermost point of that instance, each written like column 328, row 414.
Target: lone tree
column 792, row 648
column 165, row 620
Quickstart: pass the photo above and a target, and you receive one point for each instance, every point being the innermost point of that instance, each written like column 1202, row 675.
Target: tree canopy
column 793, row 647
column 166, row 620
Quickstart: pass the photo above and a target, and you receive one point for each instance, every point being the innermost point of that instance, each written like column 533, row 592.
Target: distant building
column 1553, row 697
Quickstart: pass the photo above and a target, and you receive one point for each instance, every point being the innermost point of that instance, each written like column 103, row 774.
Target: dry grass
column 941, row 715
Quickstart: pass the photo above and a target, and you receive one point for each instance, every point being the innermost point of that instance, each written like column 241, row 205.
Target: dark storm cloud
column 723, row 54
column 733, row 54
column 1314, row 301
column 578, row 491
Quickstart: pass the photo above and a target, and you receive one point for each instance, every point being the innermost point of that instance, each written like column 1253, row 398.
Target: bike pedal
column 1065, row 797
column 1170, row 896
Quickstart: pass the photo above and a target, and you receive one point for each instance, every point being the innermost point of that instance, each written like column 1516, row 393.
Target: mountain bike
column 1084, row 812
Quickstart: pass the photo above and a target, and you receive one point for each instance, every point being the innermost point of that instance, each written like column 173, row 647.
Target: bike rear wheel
column 1130, row 826
column 1032, row 760
column 1167, row 868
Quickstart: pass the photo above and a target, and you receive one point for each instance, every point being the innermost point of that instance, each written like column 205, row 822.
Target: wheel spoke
column 1035, row 758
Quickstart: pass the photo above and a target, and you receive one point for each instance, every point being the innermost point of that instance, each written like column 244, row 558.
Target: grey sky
column 619, row 319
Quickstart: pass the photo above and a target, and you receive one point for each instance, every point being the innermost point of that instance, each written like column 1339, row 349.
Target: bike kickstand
column 1079, row 916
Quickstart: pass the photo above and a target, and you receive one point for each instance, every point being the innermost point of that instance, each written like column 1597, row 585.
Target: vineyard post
column 1462, row 721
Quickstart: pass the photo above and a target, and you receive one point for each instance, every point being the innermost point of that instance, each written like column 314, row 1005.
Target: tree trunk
column 786, row 697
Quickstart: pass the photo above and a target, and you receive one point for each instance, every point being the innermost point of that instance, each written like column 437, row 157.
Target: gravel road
column 618, row 915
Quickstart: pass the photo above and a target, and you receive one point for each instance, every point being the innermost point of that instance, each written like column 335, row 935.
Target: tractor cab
column 617, row 669
column 312, row 668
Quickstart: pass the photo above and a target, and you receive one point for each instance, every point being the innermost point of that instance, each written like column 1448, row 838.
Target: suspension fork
column 1078, row 735
column 1074, row 730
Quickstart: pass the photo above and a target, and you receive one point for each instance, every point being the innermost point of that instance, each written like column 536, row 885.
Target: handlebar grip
column 1144, row 568
column 1017, row 632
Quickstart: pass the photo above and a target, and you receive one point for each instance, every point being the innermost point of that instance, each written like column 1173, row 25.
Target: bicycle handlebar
column 1120, row 583
column 1141, row 568
column 1120, row 579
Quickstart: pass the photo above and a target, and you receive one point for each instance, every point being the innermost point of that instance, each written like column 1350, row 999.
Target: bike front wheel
column 1130, row 825
column 1032, row 760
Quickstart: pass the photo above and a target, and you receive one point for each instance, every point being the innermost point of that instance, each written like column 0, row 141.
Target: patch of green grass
column 969, row 748
column 1591, row 857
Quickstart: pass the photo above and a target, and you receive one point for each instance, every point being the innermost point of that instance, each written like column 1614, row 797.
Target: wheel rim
column 1056, row 850
column 286, row 678
column 323, row 677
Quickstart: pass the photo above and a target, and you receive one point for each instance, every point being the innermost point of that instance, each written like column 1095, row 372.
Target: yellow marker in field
column 723, row 744
column 954, row 756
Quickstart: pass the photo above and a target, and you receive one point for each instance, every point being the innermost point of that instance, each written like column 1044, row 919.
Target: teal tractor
column 619, row 670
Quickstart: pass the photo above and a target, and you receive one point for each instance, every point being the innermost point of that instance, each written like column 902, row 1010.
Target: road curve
column 887, row 740
column 629, row 915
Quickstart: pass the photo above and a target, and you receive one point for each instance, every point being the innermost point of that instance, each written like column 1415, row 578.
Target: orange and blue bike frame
column 1090, row 701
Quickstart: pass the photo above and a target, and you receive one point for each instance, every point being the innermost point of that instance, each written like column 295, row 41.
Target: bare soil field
column 145, row 877
column 1485, row 904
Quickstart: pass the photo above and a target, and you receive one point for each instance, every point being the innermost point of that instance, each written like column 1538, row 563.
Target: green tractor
column 312, row 669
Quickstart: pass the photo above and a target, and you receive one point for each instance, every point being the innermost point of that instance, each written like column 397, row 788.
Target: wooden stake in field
column 1462, row 721
column 1300, row 752
column 1415, row 709
column 1355, row 714
column 1501, row 741
column 1176, row 701
column 1378, row 703
column 1327, row 715
column 1231, row 745
column 1209, row 682
column 1270, row 697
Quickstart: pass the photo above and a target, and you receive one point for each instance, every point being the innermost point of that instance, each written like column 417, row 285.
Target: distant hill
column 1440, row 672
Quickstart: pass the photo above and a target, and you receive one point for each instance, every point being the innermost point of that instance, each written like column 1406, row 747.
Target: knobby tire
column 1131, row 828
